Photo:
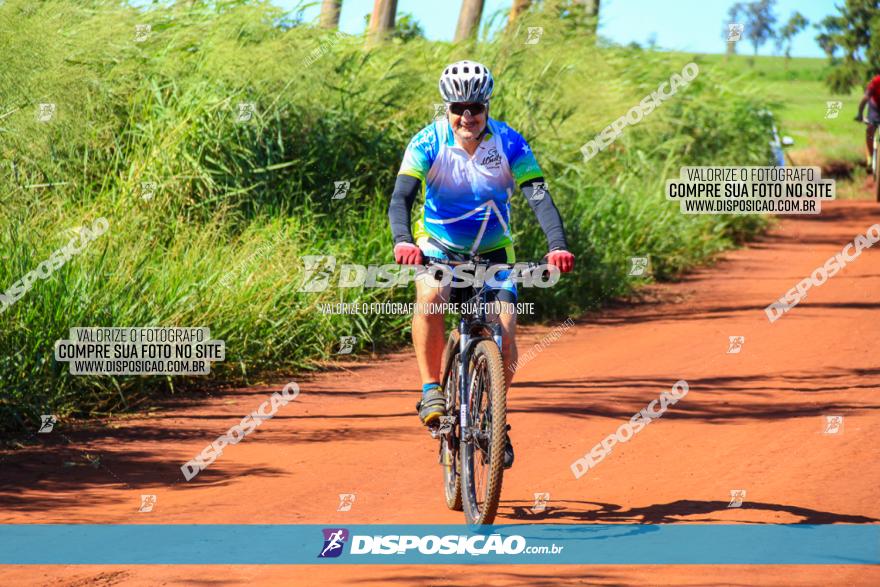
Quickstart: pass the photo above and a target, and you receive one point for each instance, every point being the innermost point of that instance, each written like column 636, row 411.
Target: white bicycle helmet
column 466, row 81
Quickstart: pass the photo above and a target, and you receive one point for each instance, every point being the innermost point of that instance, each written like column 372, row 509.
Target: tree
column 733, row 17
column 330, row 13
column 406, row 27
column 759, row 22
column 828, row 28
column 518, row 7
column 381, row 20
column 854, row 33
column 468, row 19
column 591, row 7
column 796, row 23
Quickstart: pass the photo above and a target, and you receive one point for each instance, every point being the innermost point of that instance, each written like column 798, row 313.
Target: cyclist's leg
column 507, row 318
column 428, row 330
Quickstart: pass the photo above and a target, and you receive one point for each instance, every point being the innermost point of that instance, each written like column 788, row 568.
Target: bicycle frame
column 470, row 329
column 468, row 339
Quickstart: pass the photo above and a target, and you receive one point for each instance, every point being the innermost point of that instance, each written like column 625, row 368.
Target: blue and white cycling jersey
column 467, row 198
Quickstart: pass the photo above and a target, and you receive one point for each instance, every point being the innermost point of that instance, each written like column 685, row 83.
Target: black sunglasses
column 458, row 108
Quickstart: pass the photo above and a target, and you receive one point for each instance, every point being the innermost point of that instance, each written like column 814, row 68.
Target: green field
column 799, row 95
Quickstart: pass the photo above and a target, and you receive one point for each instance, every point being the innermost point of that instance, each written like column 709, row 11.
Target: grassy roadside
column 165, row 110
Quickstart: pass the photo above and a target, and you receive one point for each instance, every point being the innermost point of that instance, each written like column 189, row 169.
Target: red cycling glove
column 563, row 260
column 407, row 254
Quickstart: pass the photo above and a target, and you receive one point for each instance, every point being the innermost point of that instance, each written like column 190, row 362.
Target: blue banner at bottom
column 276, row 544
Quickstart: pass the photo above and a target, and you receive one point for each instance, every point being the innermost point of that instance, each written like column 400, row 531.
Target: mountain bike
column 473, row 433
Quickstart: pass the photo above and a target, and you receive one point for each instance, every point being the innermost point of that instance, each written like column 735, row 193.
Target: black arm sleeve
column 400, row 208
column 548, row 215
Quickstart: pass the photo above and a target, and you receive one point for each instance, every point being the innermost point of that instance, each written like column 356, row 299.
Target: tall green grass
column 164, row 110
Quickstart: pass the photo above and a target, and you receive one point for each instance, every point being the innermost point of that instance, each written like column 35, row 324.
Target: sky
column 682, row 25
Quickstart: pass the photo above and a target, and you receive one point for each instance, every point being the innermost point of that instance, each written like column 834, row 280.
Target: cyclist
column 468, row 166
column 872, row 99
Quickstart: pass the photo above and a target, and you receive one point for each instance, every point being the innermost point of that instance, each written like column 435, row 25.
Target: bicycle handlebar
column 478, row 261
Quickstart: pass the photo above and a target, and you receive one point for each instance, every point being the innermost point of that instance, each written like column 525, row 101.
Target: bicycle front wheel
column 482, row 448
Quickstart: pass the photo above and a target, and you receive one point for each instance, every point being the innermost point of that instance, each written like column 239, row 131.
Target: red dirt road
column 752, row 420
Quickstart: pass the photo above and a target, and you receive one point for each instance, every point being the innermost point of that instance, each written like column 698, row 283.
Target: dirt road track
column 751, row 421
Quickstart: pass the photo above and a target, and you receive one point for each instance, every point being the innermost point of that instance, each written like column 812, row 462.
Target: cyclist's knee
column 427, row 294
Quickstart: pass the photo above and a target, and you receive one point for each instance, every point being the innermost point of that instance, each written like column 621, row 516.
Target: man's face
column 467, row 123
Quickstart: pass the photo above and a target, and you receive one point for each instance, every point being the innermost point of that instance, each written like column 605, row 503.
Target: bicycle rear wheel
column 449, row 445
column 482, row 448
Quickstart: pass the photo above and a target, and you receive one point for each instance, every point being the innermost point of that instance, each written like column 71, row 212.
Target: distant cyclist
column 872, row 99
column 468, row 166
